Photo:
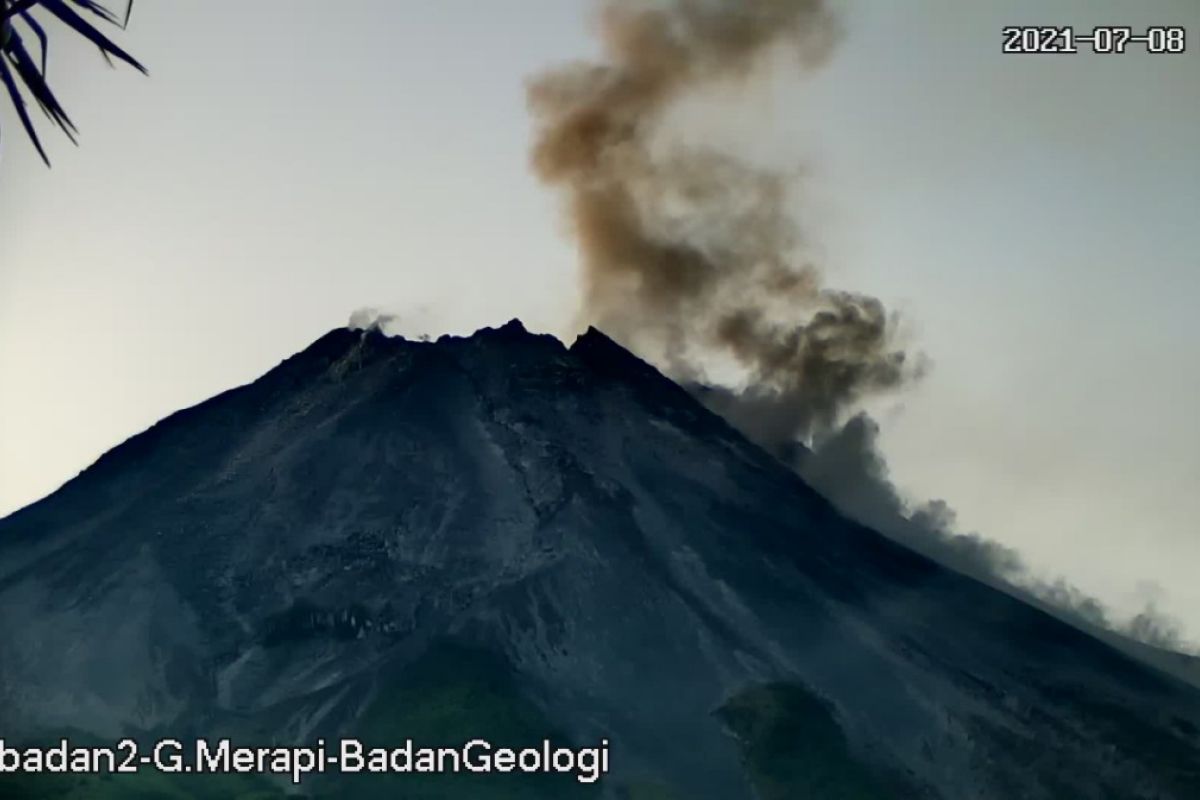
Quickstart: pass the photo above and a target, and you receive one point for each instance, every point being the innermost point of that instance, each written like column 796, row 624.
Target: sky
column 1034, row 219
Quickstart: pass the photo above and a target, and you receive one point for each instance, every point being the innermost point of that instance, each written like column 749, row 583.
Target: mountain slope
column 280, row 561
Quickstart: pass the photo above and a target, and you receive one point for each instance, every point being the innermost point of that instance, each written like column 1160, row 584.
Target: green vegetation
column 451, row 695
column 794, row 749
column 448, row 697
column 648, row 791
column 144, row 785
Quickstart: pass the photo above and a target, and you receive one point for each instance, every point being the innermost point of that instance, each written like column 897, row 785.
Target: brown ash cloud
column 692, row 253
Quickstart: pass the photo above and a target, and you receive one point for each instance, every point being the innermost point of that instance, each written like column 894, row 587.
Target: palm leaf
column 19, row 104
column 36, row 83
column 81, row 26
column 40, row 33
column 16, row 61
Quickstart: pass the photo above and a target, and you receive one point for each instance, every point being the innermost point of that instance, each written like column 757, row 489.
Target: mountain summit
column 501, row 536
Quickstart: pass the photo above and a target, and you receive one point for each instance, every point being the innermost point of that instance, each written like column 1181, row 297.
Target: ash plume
column 692, row 253
column 370, row 319
column 848, row 468
column 693, row 256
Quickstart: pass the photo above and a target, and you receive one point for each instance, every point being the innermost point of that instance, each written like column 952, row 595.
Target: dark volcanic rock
column 274, row 559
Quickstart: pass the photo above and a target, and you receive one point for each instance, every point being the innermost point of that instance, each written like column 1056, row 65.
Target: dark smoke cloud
column 691, row 252
column 1155, row 627
column 847, row 467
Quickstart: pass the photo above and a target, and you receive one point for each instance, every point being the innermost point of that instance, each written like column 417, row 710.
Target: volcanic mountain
column 502, row 536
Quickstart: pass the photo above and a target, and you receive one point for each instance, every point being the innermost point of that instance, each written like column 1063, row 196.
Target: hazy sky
column 1035, row 218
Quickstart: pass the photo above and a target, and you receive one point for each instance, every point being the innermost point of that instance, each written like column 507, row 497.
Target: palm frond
column 40, row 33
column 35, row 81
column 19, row 104
column 16, row 62
column 72, row 19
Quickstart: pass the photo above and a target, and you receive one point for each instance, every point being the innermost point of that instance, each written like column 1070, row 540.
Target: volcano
column 502, row 536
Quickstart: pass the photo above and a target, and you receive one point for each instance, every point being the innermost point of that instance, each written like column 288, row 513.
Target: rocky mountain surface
column 502, row 534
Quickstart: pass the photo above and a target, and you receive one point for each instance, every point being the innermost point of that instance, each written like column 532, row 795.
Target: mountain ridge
column 269, row 557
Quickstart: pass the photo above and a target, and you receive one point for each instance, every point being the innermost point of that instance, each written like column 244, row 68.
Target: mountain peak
column 512, row 328
column 287, row 555
column 604, row 354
